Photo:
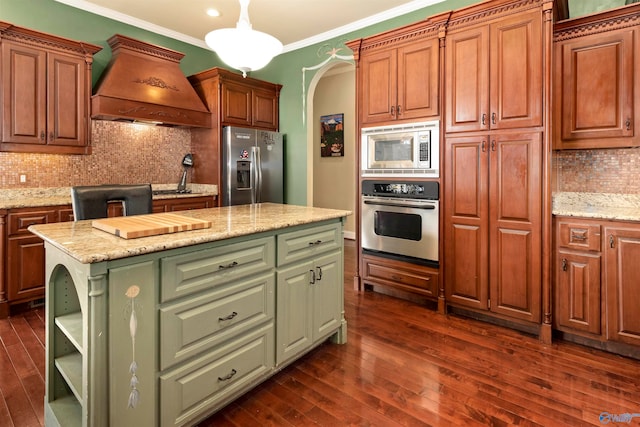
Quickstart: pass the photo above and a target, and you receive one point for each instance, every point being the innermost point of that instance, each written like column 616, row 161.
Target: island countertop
column 89, row 245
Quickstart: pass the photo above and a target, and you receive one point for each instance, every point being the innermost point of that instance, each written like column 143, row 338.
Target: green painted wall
column 56, row 18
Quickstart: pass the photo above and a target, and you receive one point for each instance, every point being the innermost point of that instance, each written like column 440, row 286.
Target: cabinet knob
column 51, row 136
column 42, row 136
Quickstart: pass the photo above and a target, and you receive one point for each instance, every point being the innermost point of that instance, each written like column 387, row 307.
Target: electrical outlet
column 23, row 178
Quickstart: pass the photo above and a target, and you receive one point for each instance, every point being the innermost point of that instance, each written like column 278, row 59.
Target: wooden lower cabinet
column 401, row 275
column 178, row 334
column 493, row 223
column 622, row 281
column 596, row 283
column 23, row 277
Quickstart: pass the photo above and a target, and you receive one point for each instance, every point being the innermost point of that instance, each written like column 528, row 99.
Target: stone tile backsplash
column 122, row 153
column 597, row 171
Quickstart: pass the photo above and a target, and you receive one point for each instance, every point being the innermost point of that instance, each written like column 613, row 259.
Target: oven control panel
column 429, row 190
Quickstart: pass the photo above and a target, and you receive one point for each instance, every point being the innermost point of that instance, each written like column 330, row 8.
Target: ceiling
column 296, row 23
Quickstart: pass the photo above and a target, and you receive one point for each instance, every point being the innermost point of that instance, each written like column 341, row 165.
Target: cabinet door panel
column 466, row 222
column 294, row 330
column 595, row 75
column 265, row 109
column 516, row 225
column 577, row 304
column 418, row 80
column 25, row 268
column 236, row 104
column 67, row 101
column 623, row 284
column 467, row 76
column 327, row 295
column 24, row 94
column 378, row 86
column 516, row 72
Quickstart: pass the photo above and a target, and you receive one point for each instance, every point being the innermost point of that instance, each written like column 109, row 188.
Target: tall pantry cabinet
column 496, row 153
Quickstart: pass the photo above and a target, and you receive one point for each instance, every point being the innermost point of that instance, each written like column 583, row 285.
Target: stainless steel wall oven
column 400, row 219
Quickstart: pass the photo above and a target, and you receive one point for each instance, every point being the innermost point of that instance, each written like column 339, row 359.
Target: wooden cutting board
column 131, row 227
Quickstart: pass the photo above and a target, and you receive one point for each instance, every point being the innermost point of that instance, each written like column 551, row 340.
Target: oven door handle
column 396, row 205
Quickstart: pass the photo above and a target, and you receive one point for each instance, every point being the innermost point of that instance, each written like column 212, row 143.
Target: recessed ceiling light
column 213, row 12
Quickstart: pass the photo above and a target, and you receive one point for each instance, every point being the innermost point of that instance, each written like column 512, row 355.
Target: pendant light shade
column 243, row 48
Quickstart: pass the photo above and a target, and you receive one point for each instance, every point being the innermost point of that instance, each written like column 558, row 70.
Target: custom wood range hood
column 144, row 82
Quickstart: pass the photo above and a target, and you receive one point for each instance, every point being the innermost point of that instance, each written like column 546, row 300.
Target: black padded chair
column 90, row 202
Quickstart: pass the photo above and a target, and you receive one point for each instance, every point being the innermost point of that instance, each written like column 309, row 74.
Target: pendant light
column 242, row 47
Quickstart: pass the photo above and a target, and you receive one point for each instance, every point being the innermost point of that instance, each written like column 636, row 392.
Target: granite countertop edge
column 611, row 206
column 89, row 245
column 14, row 198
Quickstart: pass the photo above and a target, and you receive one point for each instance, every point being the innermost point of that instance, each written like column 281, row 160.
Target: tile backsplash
column 122, row 153
column 597, row 171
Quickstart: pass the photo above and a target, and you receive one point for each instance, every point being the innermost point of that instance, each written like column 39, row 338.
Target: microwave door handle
column 396, row 205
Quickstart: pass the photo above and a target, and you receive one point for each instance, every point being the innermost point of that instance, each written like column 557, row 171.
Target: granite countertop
column 624, row 207
column 89, row 245
column 58, row 196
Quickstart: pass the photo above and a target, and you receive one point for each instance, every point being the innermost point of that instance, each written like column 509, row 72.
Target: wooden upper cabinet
column 494, row 75
column 45, row 92
column 244, row 105
column 398, row 75
column 594, row 78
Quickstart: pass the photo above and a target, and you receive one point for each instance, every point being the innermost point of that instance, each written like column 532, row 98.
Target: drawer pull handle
column 228, row 376
column 575, row 236
column 231, row 265
column 627, row 123
column 313, row 277
column 611, row 241
column 484, row 119
column 317, row 242
column 564, row 264
column 493, row 118
column 319, row 272
column 229, row 317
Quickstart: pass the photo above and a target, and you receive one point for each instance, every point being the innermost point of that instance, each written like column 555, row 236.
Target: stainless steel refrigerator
column 252, row 166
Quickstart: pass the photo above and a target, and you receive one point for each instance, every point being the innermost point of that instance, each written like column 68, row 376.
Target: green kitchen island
column 167, row 329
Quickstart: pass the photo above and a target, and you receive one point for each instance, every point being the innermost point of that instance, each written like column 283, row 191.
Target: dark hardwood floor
column 403, row 365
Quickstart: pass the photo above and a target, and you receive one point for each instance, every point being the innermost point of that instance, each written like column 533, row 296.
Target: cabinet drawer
column 182, row 275
column 190, row 327
column 582, row 236
column 301, row 244
column 21, row 220
column 209, row 382
column 409, row 277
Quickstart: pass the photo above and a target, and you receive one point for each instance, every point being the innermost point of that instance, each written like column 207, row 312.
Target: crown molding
column 318, row 38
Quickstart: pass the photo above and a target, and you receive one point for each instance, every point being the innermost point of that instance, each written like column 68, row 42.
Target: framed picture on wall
column 332, row 135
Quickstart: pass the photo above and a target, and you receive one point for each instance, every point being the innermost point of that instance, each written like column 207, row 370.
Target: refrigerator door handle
column 256, row 175
column 258, row 163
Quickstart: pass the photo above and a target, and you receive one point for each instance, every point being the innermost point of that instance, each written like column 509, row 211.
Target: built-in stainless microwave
column 409, row 149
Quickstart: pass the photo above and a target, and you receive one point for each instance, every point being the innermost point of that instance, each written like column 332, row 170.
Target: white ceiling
column 296, row 23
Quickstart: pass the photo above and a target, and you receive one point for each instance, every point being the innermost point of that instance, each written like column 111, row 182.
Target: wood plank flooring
column 403, row 365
